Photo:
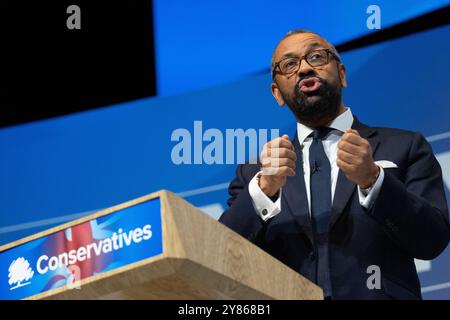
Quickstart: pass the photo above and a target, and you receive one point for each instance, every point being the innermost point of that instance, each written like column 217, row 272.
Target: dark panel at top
column 48, row 70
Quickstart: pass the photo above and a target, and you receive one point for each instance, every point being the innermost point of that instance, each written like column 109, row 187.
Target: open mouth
column 310, row 85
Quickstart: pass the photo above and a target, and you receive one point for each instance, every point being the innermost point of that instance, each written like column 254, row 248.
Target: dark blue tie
column 320, row 190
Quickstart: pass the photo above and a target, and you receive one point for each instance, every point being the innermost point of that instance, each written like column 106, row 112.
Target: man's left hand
column 354, row 158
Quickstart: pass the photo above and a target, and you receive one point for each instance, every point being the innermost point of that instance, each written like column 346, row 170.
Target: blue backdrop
column 56, row 170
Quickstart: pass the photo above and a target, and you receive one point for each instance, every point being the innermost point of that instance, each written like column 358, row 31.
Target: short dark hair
column 298, row 31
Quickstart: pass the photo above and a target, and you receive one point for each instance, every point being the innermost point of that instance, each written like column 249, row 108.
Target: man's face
column 315, row 102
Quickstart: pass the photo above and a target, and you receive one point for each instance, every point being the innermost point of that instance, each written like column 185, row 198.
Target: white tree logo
column 19, row 271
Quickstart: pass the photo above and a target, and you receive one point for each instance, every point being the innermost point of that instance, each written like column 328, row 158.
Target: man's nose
column 304, row 69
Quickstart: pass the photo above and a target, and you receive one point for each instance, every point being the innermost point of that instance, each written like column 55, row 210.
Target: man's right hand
column 278, row 160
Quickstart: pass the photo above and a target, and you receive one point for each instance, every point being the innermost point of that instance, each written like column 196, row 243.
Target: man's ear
column 342, row 75
column 277, row 94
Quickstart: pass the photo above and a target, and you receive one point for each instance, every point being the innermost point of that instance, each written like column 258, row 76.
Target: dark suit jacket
column 408, row 220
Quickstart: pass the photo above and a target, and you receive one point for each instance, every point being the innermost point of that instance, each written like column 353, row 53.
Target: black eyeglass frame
column 277, row 64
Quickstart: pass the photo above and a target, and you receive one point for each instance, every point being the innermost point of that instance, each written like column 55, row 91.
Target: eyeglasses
column 290, row 65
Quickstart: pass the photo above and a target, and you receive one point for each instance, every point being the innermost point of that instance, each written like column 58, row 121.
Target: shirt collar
column 342, row 122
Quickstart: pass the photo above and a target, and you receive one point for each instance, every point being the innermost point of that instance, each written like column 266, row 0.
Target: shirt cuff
column 264, row 206
column 368, row 196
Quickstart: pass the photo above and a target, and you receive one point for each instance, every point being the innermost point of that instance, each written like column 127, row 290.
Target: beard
column 315, row 109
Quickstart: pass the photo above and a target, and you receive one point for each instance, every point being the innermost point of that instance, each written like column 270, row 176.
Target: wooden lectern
column 200, row 259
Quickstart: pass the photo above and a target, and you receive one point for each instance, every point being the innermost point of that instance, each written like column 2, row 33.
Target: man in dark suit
column 346, row 205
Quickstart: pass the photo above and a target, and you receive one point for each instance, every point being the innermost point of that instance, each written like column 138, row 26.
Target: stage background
column 212, row 64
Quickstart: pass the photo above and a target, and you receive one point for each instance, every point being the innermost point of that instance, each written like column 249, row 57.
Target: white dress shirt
column 266, row 208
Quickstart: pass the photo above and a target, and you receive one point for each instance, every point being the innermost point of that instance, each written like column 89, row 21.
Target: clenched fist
column 354, row 158
column 278, row 160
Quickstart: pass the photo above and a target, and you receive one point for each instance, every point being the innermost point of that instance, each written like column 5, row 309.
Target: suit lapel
column 345, row 188
column 294, row 193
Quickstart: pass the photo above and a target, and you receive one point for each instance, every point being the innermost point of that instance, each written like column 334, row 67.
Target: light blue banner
column 82, row 251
